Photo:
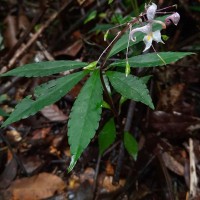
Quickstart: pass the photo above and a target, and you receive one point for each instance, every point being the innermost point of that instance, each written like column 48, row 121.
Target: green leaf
column 91, row 66
column 45, row 68
column 165, row 37
column 91, row 16
column 145, row 79
column 3, row 113
column 105, row 105
column 131, row 145
column 85, row 116
column 107, row 136
column 130, row 87
column 110, row 1
column 101, row 27
column 128, row 69
column 195, row 8
column 122, row 43
column 106, row 35
column 152, row 59
column 45, row 94
column 3, row 97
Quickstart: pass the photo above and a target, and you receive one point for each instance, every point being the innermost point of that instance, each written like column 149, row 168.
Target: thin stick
column 193, row 173
column 24, row 36
column 166, row 175
column 34, row 37
column 19, row 162
column 95, row 188
column 175, row 5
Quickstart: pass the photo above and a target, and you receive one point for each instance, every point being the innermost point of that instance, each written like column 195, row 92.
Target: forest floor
column 34, row 152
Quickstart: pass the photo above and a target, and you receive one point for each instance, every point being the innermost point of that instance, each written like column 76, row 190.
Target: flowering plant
column 147, row 29
column 86, row 112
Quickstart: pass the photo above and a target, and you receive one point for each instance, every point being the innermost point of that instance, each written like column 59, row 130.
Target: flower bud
column 172, row 18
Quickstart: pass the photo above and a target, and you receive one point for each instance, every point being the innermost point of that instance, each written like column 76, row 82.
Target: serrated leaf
column 122, row 43
column 145, row 79
column 45, row 68
column 45, row 94
column 107, row 136
column 130, row 87
column 152, row 59
column 84, row 117
column 131, row 145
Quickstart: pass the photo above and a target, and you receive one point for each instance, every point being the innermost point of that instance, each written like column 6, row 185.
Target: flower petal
column 148, row 42
column 157, row 36
column 161, row 23
column 144, row 29
column 151, row 11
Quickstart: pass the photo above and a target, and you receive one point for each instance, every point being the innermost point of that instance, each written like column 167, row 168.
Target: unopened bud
column 172, row 18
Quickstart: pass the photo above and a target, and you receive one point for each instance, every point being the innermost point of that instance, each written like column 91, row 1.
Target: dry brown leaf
column 173, row 164
column 41, row 133
column 8, row 174
column 109, row 169
column 13, row 136
column 140, row 193
column 108, row 184
column 41, row 186
column 53, row 113
column 173, row 124
column 71, row 50
column 10, row 31
column 88, row 175
column 170, row 96
column 32, row 163
column 85, row 3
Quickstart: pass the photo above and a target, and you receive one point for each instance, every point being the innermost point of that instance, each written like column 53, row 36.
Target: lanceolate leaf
column 131, row 144
column 45, row 68
column 107, row 136
column 130, row 87
column 152, row 59
column 123, row 41
column 85, row 116
column 45, row 94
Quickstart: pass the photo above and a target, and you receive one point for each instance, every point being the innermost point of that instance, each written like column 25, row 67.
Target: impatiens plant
column 103, row 78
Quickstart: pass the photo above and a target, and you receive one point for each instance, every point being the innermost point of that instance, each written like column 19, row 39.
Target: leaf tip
column 72, row 164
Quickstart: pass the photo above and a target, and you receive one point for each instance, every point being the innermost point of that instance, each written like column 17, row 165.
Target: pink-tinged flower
column 172, row 18
column 147, row 29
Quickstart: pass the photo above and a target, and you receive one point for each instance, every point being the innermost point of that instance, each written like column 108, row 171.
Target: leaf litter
column 40, row 142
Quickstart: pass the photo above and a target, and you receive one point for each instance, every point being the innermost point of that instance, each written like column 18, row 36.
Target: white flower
column 147, row 29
